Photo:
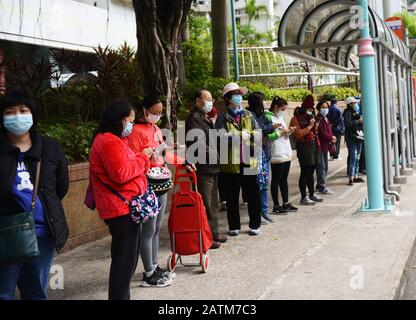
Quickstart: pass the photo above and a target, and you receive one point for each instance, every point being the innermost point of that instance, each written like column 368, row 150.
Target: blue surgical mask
column 207, row 106
column 128, row 128
column 237, row 99
column 309, row 113
column 324, row 112
column 357, row 108
column 18, row 124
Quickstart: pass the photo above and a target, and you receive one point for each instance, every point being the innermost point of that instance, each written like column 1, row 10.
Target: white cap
column 350, row 100
column 232, row 86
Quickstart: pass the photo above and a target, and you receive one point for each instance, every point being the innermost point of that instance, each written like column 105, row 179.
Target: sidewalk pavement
column 323, row 252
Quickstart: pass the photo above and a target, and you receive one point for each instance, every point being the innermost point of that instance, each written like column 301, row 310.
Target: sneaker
column 234, row 233
column 326, row 191
column 276, row 209
column 315, row 198
column 221, row 238
column 350, row 182
column 254, row 232
column 339, row 158
column 359, row 180
column 267, row 217
column 215, row 245
column 264, row 221
column 156, row 280
column 289, row 208
column 223, row 206
column 281, row 211
column 165, row 273
column 307, row 202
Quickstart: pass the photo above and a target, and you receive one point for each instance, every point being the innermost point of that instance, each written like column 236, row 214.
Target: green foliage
column 75, row 138
column 340, row 93
column 409, row 22
column 215, row 86
column 253, row 10
column 197, row 52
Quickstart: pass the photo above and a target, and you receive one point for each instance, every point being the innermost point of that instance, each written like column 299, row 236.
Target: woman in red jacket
column 113, row 164
column 326, row 139
column 147, row 134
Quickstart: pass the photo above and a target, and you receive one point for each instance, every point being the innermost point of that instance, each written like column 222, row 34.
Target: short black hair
column 112, row 118
column 320, row 104
column 334, row 101
column 17, row 98
column 150, row 100
column 278, row 102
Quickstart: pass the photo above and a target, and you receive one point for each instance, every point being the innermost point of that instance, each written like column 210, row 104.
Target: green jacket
column 275, row 134
column 247, row 123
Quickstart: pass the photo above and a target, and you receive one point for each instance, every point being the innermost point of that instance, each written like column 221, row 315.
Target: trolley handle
column 190, row 175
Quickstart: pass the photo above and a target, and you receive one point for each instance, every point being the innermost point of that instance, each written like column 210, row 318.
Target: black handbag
column 18, row 241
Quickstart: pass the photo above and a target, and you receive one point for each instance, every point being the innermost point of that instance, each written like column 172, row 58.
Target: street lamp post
column 373, row 152
column 234, row 30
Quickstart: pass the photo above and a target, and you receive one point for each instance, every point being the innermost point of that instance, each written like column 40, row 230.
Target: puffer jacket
column 113, row 163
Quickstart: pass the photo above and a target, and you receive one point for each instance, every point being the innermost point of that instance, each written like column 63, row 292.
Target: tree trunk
column 159, row 25
column 219, row 39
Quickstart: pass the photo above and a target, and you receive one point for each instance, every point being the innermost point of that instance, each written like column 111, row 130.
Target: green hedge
column 215, row 85
column 75, row 139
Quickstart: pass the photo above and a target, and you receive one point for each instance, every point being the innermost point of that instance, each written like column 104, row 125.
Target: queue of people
column 129, row 143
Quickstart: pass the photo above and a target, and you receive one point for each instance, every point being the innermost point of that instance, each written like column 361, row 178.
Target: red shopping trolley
column 189, row 230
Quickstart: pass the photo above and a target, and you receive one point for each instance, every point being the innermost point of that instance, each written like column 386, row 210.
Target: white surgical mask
column 309, row 112
column 279, row 113
column 324, row 112
column 207, row 106
column 152, row 118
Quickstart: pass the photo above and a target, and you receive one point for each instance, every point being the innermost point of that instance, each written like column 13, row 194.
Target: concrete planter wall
column 84, row 224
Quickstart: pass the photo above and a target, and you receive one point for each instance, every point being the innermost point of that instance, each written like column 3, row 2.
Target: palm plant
column 253, row 11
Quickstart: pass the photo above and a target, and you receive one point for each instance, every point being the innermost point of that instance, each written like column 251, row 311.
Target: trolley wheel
column 172, row 263
column 205, row 263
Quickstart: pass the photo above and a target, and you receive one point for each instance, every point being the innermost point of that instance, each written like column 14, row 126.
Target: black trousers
column 306, row 179
column 125, row 251
column 280, row 173
column 221, row 187
column 233, row 184
column 337, row 145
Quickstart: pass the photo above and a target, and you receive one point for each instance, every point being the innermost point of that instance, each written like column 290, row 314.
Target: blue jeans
column 31, row 278
column 354, row 153
column 264, row 198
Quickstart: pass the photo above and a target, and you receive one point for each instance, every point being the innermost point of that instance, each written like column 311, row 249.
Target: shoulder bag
column 18, row 241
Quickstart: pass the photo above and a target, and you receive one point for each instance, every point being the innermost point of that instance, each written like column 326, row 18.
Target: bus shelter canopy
column 328, row 30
